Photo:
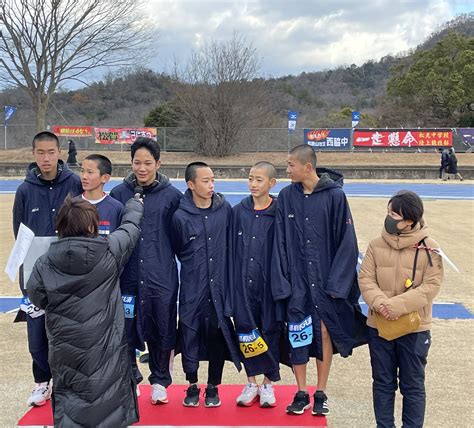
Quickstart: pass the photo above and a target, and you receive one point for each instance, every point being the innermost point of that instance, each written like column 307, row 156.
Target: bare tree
column 44, row 43
column 219, row 94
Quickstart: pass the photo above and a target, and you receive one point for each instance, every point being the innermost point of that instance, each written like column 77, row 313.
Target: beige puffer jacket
column 388, row 263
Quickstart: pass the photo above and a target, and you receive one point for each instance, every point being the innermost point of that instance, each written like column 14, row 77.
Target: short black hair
column 305, row 154
column 190, row 173
column 103, row 163
column 45, row 136
column 268, row 167
column 409, row 205
column 146, row 143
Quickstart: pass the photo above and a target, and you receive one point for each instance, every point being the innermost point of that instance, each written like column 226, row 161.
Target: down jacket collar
column 407, row 239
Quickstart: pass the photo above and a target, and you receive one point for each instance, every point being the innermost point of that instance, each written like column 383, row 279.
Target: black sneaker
column 300, row 404
column 192, row 396
column 320, row 407
column 212, row 396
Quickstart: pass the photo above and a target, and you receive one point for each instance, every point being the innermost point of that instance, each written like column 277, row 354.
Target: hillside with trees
column 431, row 85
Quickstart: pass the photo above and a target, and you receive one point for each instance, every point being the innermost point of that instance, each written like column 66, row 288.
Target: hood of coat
column 160, row 183
column 78, row 255
column 247, row 204
column 328, row 179
column 33, row 174
column 406, row 239
column 187, row 204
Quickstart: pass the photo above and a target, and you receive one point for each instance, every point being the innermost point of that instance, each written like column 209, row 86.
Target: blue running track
column 236, row 190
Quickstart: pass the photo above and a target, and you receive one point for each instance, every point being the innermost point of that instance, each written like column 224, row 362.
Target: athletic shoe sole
column 191, row 404
column 158, row 402
column 320, row 413
column 248, row 403
column 212, row 404
column 38, row 404
column 267, row 405
column 298, row 412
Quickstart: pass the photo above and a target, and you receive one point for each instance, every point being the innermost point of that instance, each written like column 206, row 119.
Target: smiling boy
column 96, row 171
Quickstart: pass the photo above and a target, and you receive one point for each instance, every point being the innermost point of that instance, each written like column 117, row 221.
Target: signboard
column 467, row 135
column 72, row 131
column 122, row 135
column 328, row 139
column 403, row 138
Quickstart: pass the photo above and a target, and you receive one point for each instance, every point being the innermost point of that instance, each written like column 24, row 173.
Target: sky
column 296, row 36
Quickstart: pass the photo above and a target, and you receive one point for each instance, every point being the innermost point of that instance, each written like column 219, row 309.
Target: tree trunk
column 41, row 107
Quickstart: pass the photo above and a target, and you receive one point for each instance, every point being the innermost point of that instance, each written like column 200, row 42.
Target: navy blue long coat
column 151, row 273
column 253, row 305
column 201, row 239
column 316, row 255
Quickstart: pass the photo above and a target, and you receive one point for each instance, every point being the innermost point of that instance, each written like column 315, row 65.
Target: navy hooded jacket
column 253, row 305
column 201, row 239
column 315, row 260
column 151, row 274
column 37, row 201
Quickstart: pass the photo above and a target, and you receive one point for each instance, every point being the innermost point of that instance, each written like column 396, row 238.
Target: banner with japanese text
column 72, row 131
column 122, row 135
column 403, row 138
column 328, row 139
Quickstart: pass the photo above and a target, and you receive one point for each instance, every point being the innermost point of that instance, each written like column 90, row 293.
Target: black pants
column 158, row 362
column 406, row 354
column 441, row 170
column 217, row 349
column 38, row 347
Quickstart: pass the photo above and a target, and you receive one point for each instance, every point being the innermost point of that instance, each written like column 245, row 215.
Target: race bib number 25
column 252, row 344
column 301, row 333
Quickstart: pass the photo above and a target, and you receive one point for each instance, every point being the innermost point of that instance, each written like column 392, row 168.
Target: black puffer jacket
column 76, row 283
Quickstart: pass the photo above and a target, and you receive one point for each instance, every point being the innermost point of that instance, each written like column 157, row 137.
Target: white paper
column 19, row 251
column 38, row 247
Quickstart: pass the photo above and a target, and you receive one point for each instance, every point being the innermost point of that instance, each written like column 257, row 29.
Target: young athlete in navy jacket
column 95, row 172
column 149, row 282
column 254, row 312
column 201, row 229
column 314, row 272
column 37, row 201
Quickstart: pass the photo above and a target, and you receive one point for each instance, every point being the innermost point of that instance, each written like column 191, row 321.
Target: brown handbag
column 408, row 323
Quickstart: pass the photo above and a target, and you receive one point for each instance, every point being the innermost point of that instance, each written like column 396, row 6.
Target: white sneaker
column 158, row 394
column 267, row 395
column 248, row 396
column 40, row 394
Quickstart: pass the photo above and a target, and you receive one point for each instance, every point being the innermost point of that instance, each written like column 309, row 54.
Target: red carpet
column 175, row 414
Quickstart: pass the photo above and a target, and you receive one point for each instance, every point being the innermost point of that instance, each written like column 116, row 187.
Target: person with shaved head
column 314, row 272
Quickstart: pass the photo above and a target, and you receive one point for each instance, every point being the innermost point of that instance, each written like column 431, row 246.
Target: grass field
column 450, row 378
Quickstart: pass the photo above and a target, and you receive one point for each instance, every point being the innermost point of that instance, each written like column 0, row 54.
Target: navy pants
column 38, row 347
column 407, row 356
column 158, row 362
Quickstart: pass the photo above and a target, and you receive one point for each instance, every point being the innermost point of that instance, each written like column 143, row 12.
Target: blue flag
column 9, row 113
column 292, row 117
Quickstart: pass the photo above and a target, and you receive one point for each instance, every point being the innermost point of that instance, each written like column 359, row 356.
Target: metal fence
column 183, row 140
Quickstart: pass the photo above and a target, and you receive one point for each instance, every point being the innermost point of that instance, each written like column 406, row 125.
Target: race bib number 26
column 252, row 344
column 301, row 333
column 30, row 309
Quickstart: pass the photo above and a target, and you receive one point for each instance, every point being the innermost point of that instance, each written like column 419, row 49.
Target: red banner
column 403, row 138
column 122, row 135
column 72, row 131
